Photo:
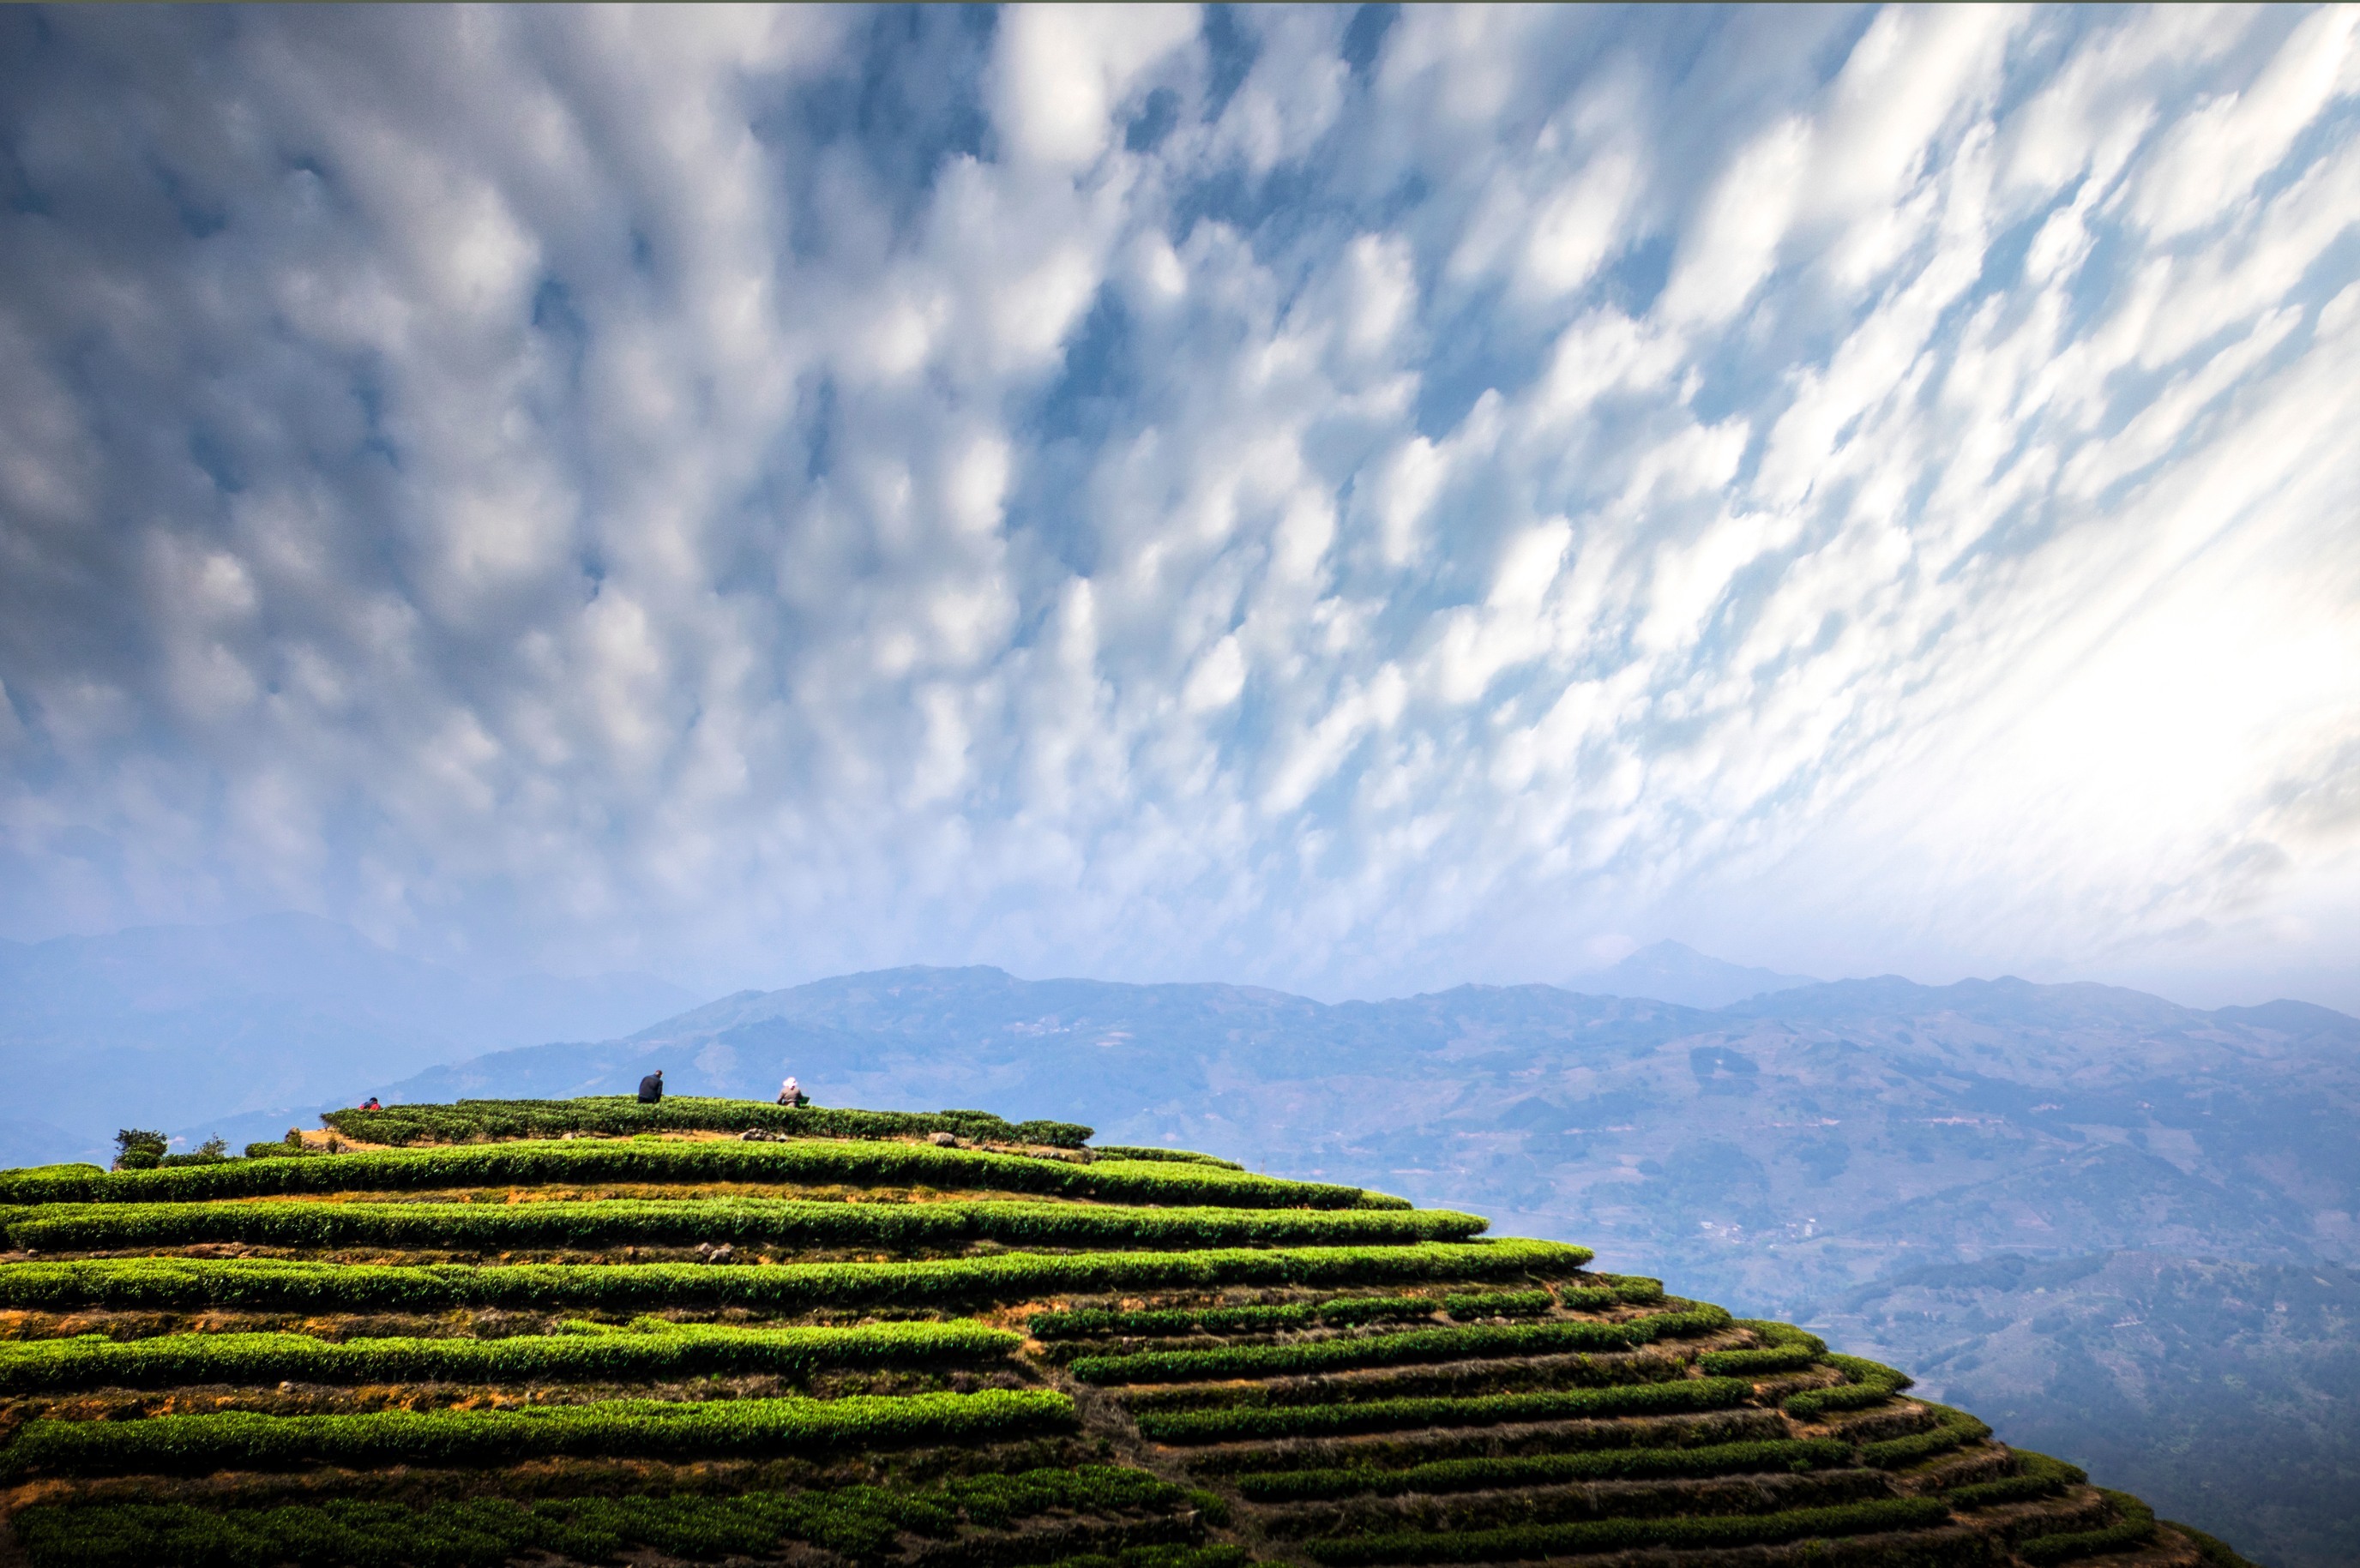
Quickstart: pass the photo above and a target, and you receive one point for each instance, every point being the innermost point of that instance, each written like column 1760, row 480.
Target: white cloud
column 760, row 493
column 1061, row 70
column 2210, row 161
column 1734, row 243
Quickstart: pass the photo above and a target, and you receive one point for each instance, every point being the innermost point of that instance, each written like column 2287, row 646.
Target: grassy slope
column 1005, row 1355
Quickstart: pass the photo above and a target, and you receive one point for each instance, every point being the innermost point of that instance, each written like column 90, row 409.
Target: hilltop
column 579, row 1331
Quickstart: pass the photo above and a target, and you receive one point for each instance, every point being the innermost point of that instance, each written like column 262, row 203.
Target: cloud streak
column 1349, row 499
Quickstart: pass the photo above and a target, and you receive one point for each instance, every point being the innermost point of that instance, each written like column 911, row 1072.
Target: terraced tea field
column 592, row 1332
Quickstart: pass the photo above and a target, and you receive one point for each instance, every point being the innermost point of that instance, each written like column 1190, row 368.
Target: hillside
column 584, row 1331
column 1779, row 1155
column 2151, row 1369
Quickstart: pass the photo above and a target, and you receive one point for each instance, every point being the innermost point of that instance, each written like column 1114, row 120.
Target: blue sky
column 1348, row 499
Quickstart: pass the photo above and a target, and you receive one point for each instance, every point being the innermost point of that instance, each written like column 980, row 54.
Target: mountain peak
column 1674, row 972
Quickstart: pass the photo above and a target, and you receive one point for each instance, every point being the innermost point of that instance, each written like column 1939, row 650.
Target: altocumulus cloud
column 1341, row 497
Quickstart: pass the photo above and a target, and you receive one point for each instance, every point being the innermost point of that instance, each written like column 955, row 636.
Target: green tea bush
column 1591, row 1298
column 1228, row 1320
column 66, row 1227
column 1951, row 1429
column 1547, row 1469
column 814, row 1162
column 1347, row 1310
column 187, row 1443
column 1456, row 1379
column 1217, row 1556
column 860, row 1523
column 1783, row 1336
column 1238, row 1422
column 1403, row 1448
column 2135, row 1527
column 2036, row 1475
column 2212, row 1550
column 1457, row 1344
column 1871, row 1383
column 1141, row 1151
column 1637, row 1288
column 660, row 1350
column 1755, row 1363
column 470, row 1121
column 1499, row 1305
column 265, row 1284
column 1526, row 1541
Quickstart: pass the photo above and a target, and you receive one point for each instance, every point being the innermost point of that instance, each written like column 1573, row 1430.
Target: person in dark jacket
column 651, row 1087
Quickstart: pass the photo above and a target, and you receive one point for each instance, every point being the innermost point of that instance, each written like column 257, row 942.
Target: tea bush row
column 1951, row 1429
column 1458, row 1343
column 469, row 1121
column 1456, row 1380
column 860, row 1522
column 1179, row 1156
column 1871, row 1383
column 2036, row 1475
column 1637, row 1288
column 1238, row 1422
column 1526, row 1541
column 262, row 1284
column 1756, row 1363
column 660, row 1351
column 646, row 1428
column 612, row 1222
column 1783, row 1336
column 1547, row 1469
column 650, row 1161
column 1343, row 1309
column 2135, row 1527
column 1219, row 1555
column 1403, row 1449
column 1513, row 1304
column 2211, row 1549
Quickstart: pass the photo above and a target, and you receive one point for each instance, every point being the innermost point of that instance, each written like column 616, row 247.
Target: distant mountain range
column 166, row 1025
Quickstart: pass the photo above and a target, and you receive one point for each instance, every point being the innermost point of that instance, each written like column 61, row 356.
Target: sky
column 1350, row 499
